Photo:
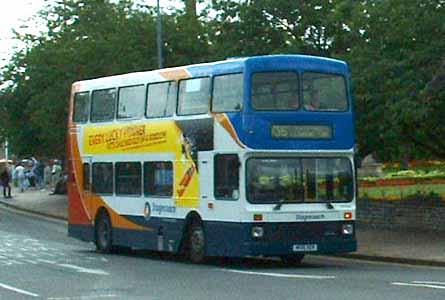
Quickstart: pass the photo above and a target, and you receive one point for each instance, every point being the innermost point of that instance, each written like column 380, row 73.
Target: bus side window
column 102, row 175
column 128, row 178
column 227, row 93
column 131, row 102
column 161, row 99
column 81, row 107
column 226, row 176
column 103, row 104
column 158, row 178
column 194, row 96
column 86, row 177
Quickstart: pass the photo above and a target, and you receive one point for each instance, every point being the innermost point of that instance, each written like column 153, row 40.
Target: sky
column 15, row 13
column 18, row 13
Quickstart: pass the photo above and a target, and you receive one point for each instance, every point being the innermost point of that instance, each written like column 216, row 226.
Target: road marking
column 84, row 297
column 84, row 270
column 11, row 288
column 76, row 268
column 298, row 276
column 429, row 282
column 47, row 261
column 431, row 286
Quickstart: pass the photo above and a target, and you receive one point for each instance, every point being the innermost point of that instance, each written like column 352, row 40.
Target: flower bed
column 400, row 181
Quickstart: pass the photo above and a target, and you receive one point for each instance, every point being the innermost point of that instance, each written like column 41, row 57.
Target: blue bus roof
column 268, row 62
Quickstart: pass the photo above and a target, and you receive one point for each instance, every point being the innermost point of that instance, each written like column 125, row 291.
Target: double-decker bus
column 244, row 157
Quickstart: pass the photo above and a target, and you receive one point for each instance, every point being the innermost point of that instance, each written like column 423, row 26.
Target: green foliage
column 85, row 39
column 395, row 50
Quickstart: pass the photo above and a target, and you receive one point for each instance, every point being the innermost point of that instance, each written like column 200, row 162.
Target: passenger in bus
column 314, row 101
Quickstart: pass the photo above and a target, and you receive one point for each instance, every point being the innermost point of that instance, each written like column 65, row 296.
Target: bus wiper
column 279, row 204
column 329, row 205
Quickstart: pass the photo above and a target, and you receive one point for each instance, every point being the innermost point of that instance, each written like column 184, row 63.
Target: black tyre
column 104, row 233
column 196, row 243
column 293, row 260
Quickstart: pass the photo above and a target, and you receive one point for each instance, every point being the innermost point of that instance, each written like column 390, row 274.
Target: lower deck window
column 86, row 176
column 128, row 178
column 293, row 180
column 103, row 178
column 158, row 179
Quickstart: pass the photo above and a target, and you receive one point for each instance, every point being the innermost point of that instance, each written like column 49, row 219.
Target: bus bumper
column 236, row 239
column 322, row 246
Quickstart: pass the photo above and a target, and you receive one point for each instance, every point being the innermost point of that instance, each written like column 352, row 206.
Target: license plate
column 304, row 247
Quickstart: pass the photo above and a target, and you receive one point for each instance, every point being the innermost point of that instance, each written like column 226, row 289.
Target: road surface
column 39, row 261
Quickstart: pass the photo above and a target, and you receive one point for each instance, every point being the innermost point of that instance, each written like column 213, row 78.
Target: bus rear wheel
column 196, row 243
column 103, row 233
column 293, row 260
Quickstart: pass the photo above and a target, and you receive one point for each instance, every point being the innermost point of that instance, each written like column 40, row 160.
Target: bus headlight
column 347, row 229
column 257, row 232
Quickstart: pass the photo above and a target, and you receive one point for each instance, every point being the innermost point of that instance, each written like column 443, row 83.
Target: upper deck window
column 324, row 92
column 161, row 99
column 81, row 107
column 131, row 102
column 103, row 105
column 194, row 96
column 227, row 93
column 275, row 91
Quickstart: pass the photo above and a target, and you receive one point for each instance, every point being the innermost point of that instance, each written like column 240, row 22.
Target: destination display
column 301, row 132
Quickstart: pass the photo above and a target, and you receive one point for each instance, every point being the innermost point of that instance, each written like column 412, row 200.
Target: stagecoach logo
column 147, row 211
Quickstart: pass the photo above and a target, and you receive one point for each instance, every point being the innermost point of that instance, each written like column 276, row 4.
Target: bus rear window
column 324, row 92
column 275, row 91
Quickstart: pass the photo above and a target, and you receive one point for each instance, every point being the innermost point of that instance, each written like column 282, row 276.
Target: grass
column 401, row 192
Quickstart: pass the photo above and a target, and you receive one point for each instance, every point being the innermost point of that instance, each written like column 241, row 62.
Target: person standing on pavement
column 5, row 179
column 56, row 172
column 37, row 170
column 47, row 174
column 20, row 175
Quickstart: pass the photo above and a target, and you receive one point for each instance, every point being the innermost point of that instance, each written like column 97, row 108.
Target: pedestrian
column 56, row 172
column 5, row 179
column 20, row 175
column 37, row 171
column 47, row 174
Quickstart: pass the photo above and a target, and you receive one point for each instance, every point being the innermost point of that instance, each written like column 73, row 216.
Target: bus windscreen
column 297, row 180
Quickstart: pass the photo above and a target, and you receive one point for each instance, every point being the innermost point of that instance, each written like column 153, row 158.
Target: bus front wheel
column 103, row 233
column 196, row 243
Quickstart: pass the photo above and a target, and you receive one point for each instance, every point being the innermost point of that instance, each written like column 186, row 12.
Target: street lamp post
column 159, row 36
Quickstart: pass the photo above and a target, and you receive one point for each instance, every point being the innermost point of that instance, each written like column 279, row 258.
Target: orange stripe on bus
column 225, row 122
column 174, row 74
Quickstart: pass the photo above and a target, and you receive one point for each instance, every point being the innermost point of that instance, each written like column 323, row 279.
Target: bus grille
column 301, row 231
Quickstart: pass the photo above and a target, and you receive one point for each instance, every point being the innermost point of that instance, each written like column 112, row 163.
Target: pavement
column 411, row 247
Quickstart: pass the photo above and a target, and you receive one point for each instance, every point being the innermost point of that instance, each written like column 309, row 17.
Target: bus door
column 226, row 184
column 205, row 181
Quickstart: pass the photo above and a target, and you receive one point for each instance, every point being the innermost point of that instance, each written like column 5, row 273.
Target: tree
column 85, row 39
